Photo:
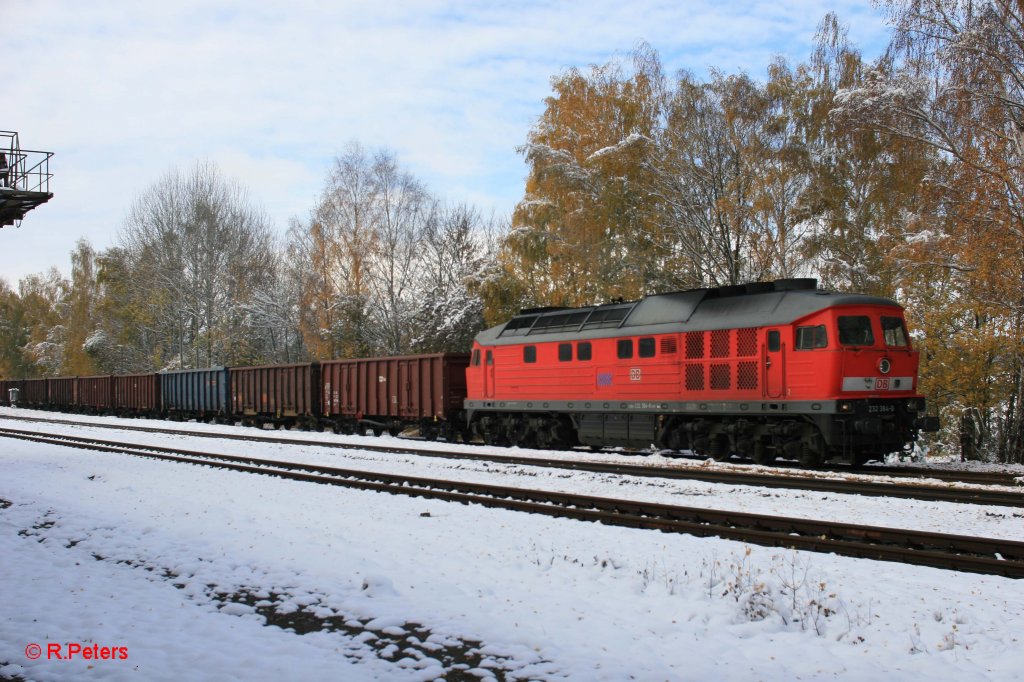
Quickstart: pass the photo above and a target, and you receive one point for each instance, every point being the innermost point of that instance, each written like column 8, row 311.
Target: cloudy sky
column 271, row 91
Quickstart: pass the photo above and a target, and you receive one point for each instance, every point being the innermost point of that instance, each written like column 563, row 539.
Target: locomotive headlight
column 914, row 405
column 844, row 407
column 884, row 365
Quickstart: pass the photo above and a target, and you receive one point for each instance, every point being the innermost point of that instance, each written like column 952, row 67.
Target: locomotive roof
column 757, row 304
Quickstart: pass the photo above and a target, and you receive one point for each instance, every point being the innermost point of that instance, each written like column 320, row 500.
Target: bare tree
column 198, row 252
column 361, row 257
column 706, row 175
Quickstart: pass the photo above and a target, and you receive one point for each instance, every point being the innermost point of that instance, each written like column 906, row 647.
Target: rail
column 800, row 480
column 938, row 550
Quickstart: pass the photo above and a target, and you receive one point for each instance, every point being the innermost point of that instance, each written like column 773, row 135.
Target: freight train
column 764, row 370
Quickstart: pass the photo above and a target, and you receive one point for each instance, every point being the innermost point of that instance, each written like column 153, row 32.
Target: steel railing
column 23, row 169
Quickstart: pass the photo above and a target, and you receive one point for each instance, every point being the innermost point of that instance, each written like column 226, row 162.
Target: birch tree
column 198, row 249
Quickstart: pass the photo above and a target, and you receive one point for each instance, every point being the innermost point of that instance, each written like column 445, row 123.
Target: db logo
column 882, row 384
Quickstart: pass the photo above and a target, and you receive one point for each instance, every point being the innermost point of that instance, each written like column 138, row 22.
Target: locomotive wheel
column 810, row 456
column 760, row 454
column 719, row 448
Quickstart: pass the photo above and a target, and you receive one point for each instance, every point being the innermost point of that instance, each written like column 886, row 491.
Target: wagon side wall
column 137, row 393
column 276, row 391
column 407, row 388
column 194, row 392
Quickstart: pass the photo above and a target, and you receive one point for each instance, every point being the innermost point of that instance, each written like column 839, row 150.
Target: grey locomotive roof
column 747, row 305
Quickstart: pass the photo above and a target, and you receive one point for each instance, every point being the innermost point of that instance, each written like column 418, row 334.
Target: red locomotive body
column 765, row 370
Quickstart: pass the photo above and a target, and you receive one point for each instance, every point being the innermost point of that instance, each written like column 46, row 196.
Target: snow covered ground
column 180, row 569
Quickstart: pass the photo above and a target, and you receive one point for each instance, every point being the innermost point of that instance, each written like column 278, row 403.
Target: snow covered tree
column 456, row 248
column 43, row 298
column 15, row 323
column 197, row 251
column 953, row 79
column 580, row 234
column 379, row 259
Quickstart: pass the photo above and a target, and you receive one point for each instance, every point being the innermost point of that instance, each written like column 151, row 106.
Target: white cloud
column 271, row 91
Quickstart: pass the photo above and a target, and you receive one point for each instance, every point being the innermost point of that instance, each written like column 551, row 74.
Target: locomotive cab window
column 646, row 347
column 583, row 350
column 625, row 349
column 529, row 353
column 565, row 352
column 809, row 338
column 490, row 358
column 894, row 332
column 774, row 341
column 476, row 357
column 855, row 330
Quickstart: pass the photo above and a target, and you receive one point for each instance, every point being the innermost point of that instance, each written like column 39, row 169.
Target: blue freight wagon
column 200, row 394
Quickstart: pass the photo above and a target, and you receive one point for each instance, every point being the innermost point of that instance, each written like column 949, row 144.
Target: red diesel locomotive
column 765, row 370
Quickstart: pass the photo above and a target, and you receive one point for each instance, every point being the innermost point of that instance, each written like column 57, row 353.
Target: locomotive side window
column 490, row 358
column 774, row 341
column 583, row 350
column 476, row 357
column 646, row 347
column 529, row 353
column 894, row 332
column 565, row 352
column 809, row 338
column 625, row 348
column 855, row 330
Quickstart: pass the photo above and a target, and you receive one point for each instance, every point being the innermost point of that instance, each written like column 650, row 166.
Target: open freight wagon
column 395, row 393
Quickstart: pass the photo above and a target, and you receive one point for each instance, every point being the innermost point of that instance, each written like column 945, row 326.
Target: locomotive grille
column 746, row 343
column 694, row 346
column 719, row 345
column 719, row 377
column 669, row 345
column 695, row 377
column 746, row 375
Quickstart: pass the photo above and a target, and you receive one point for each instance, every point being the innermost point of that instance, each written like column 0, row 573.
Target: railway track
column 799, row 480
column 963, row 553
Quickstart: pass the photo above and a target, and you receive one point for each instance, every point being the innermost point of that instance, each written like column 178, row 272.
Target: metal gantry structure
column 24, row 179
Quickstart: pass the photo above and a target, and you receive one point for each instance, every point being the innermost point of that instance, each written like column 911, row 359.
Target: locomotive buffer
column 24, row 179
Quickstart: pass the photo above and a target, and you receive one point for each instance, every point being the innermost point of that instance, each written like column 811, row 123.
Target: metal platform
column 24, row 179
